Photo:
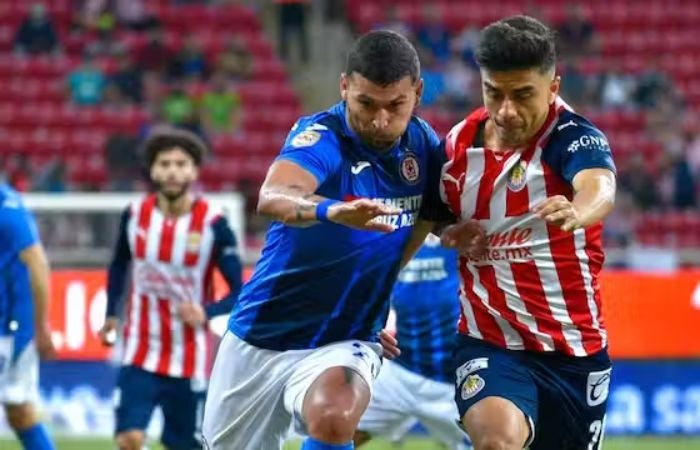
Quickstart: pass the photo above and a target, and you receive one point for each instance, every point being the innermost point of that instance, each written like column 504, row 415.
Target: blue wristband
column 322, row 209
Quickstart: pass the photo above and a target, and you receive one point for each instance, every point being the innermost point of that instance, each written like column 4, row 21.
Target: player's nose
column 507, row 110
column 381, row 119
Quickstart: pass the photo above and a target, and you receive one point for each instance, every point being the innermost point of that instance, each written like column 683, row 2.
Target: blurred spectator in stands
column 235, row 61
column 105, row 44
column 465, row 43
column 177, row 106
column 432, row 33
column 19, row 172
column 616, row 88
column 189, row 62
column 652, row 83
column 123, row 160
column 619, row 226
column 577, row 36
column 86, row 83
column 676, row 182
column 155, row 56
column 693, row 151
column 637, row 178
column 576, row 88
column 133, row 14
column 293, row 26
column 393, row 22
column 461, row 84
column 220, row 106
column 52, row 177
column 113, row 98
column 37, row 34
column 433, row 78
column 128, row 78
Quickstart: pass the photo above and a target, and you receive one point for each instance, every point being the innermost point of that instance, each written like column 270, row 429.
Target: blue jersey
column 327, row 282
column 17, row 233
column 426, row 302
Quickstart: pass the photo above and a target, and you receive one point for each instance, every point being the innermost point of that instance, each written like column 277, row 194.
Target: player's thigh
column 135, row 398
column 19, row 375
column 362, row 358
column 244, row 407
column 495, row 393
column 182, row 403
column 573, row 402
column 392, row 405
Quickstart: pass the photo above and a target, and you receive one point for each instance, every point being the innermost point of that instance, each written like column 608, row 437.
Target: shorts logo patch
column 472, row 386
column 470, row 367
column 598, row 387
column 306, row 138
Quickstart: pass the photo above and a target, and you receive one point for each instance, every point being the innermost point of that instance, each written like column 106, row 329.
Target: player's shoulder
column 461, row 135
column 315, row 130
column 572, row 132
column 421, row 133
column 9, row 198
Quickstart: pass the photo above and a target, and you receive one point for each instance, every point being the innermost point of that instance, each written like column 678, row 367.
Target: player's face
column 518, row 102
column 379, row 114
column 173, row 171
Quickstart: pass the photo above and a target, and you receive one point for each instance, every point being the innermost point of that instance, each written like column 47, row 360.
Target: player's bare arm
column 593, row 200
column 37, row 264
column 288, row 195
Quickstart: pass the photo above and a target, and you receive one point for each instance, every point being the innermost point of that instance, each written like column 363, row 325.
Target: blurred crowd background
column 85, row 80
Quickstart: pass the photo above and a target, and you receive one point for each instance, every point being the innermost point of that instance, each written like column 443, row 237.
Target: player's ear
column 344, row 85
column 419, row 91
column 554, row 89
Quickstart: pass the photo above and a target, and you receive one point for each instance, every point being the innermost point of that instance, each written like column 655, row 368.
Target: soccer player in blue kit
column 418, row 386
column 24, row 332
column 345, row 194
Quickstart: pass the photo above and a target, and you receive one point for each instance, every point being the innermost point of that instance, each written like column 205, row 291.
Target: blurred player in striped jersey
column 24, row 330
column 418, row 385
column 532, row 361
column 172, row 240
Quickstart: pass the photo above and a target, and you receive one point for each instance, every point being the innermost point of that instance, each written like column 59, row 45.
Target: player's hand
column 389, row 344
column 558, row 210
column 192, row 313
column 468, row 237
column 108, row 332
column 44, row 344
column 361, row 213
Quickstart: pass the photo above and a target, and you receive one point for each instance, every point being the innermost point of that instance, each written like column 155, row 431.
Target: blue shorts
column 563, row 397
column 139, row 392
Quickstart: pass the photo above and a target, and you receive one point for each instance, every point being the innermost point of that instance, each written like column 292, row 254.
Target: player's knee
column 130, row 440
column 332, row 424
column 21, row 417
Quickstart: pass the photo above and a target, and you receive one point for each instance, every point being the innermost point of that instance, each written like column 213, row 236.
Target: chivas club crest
column 516, row 176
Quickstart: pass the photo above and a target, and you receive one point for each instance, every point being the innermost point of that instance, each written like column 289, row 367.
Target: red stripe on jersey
column 529, row 285
column 563, row 248
column 166, row 338
column 485, row 322
column 143, row 333
column 199, row 212
column 493, row 166
column 142, row 225
column 594, row 250
column 462, row 326
column 517, row 202
column 189, row 350
column 167, row 236
column 497, row 299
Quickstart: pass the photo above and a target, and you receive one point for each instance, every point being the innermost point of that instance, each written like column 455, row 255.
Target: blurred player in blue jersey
column 24, row 329
column 418, row 386
column 345, row 193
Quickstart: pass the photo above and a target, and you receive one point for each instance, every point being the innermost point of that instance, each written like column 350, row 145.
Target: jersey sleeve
column 313, row 147
column 118, row 268
column 17, row 225
column 229, row 264
column 433, row 208
column 580, row 146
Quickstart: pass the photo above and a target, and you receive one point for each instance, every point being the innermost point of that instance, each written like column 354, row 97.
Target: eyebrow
column 368, row 98
column 520, row 90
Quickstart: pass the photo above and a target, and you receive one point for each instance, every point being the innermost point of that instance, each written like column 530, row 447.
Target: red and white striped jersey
column 536, row 287
column 171, row 264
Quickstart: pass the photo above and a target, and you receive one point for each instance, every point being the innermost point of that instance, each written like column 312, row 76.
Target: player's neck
column 177, row 207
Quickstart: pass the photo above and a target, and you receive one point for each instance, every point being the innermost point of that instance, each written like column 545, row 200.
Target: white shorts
column 402, row 398
column 19, row 380
column 255, row 395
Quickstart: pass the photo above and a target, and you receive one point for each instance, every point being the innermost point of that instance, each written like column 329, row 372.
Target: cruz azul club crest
column 409, row 168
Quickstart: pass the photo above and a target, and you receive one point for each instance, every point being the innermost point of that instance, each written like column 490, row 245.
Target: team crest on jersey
column 194, row 239
column 472, row 386
column 410, row 169
column 306, row 138
column 516, row 176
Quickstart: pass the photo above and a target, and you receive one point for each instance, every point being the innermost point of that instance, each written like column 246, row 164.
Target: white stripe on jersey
column 580, row 239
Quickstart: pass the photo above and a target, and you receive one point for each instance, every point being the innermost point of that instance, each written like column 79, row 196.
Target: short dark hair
column 167, row 138
column 383, row 57
column 515, row 43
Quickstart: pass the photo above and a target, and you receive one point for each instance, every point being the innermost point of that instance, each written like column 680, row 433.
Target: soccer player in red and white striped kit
column 172, row 240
